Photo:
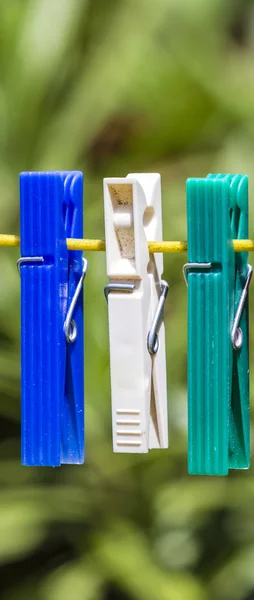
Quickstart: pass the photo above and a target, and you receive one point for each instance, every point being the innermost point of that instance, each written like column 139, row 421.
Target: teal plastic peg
column 218, row 355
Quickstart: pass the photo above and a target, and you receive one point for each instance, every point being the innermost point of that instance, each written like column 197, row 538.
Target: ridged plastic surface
column 218, row 394
column 239, row 415
column 52, row 381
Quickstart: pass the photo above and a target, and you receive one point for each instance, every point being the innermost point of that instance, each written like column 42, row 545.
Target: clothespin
column 218, row 356
column 52, row 344
column 136, row 296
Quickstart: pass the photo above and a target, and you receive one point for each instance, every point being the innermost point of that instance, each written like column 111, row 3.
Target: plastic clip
column 135, row 308
column 218, row 359
column 52, row 369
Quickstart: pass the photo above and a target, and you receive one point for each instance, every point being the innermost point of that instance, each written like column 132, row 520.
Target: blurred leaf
column 124, row 556
column 79, row 581
column 22, row 526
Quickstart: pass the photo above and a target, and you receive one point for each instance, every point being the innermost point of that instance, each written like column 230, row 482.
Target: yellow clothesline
column 99, row 245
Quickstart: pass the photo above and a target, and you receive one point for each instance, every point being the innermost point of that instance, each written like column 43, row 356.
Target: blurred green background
column 112, row 87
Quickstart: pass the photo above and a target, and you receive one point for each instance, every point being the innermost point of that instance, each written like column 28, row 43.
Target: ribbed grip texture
column 218, row 378
column 52, row 394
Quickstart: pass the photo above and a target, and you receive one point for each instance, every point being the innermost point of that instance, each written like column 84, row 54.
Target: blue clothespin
column 52, row 339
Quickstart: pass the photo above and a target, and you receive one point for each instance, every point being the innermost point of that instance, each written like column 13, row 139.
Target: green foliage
column 111, row 87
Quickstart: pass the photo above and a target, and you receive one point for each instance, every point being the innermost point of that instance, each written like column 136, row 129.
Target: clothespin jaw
column 52, row 394
column 218, row 364
column 138, row 378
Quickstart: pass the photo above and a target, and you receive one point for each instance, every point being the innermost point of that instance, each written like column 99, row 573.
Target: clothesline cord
column 100, row 245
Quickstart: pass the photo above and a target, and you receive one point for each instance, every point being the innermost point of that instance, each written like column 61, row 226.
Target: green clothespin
column 218, row 356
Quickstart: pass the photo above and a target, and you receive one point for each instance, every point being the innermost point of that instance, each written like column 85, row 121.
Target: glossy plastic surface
column 138, row 380
column 52, row 371
column 218, row 376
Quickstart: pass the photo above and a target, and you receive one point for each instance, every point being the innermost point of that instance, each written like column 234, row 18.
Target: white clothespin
column 136, row 296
